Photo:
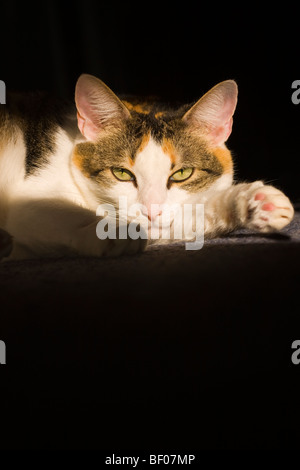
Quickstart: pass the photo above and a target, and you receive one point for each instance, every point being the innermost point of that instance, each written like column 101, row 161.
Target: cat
column 58, row 164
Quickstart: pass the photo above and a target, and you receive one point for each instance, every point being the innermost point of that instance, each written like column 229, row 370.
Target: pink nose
column 153, row 211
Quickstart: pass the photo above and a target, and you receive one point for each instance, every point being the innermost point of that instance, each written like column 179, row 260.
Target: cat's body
column 57, row 167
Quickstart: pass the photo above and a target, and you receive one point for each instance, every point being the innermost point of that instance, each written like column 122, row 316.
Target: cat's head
column 153, row 157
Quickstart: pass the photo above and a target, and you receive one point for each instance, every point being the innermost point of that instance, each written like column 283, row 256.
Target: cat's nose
column 152, row 212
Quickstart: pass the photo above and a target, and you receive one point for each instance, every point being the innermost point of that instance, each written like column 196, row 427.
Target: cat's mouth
column 155, row 229
column 156, row 224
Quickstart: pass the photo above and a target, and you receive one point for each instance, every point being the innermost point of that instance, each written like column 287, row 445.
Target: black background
column 175, row 52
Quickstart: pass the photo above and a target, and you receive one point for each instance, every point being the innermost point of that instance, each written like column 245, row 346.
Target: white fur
column 12, row 171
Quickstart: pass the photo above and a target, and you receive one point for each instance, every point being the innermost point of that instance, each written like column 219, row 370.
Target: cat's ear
column 97, row 106
column 212, row 114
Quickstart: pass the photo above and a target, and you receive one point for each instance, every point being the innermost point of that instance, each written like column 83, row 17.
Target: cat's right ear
column 97, row 106
column 212, row 114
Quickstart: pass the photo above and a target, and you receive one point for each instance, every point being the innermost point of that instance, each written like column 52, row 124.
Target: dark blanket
column 190, row 349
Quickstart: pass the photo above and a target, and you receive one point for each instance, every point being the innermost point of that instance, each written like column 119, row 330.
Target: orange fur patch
column 168, row 148
column 144, row 142
column 224, row 157
column 159, row 114
column 139, row 108
column 78, row 161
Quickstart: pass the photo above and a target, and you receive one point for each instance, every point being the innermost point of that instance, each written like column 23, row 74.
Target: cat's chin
column 157, row 231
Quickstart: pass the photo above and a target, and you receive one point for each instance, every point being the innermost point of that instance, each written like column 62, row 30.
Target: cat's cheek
column 177, row 195
column 123, row 195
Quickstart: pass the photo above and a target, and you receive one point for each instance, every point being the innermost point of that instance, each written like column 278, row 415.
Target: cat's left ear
column 97, row 106
column 212, row 114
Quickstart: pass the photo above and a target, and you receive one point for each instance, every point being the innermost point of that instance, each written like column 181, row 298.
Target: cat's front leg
column 255, row 206
column 262, row 207
column 87, row 242
column 43, row 228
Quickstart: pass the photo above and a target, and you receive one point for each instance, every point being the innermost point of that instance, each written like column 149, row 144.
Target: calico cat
column 58, row 164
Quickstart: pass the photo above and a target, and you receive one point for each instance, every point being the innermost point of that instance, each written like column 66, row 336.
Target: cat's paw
column 119, row 247
column 268, row 208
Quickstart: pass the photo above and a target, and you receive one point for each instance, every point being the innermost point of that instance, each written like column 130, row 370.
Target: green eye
column 182, row 175
column 122, row 174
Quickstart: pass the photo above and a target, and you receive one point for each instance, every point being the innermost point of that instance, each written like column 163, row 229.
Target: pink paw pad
column 260, row 197
column 269, row 206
